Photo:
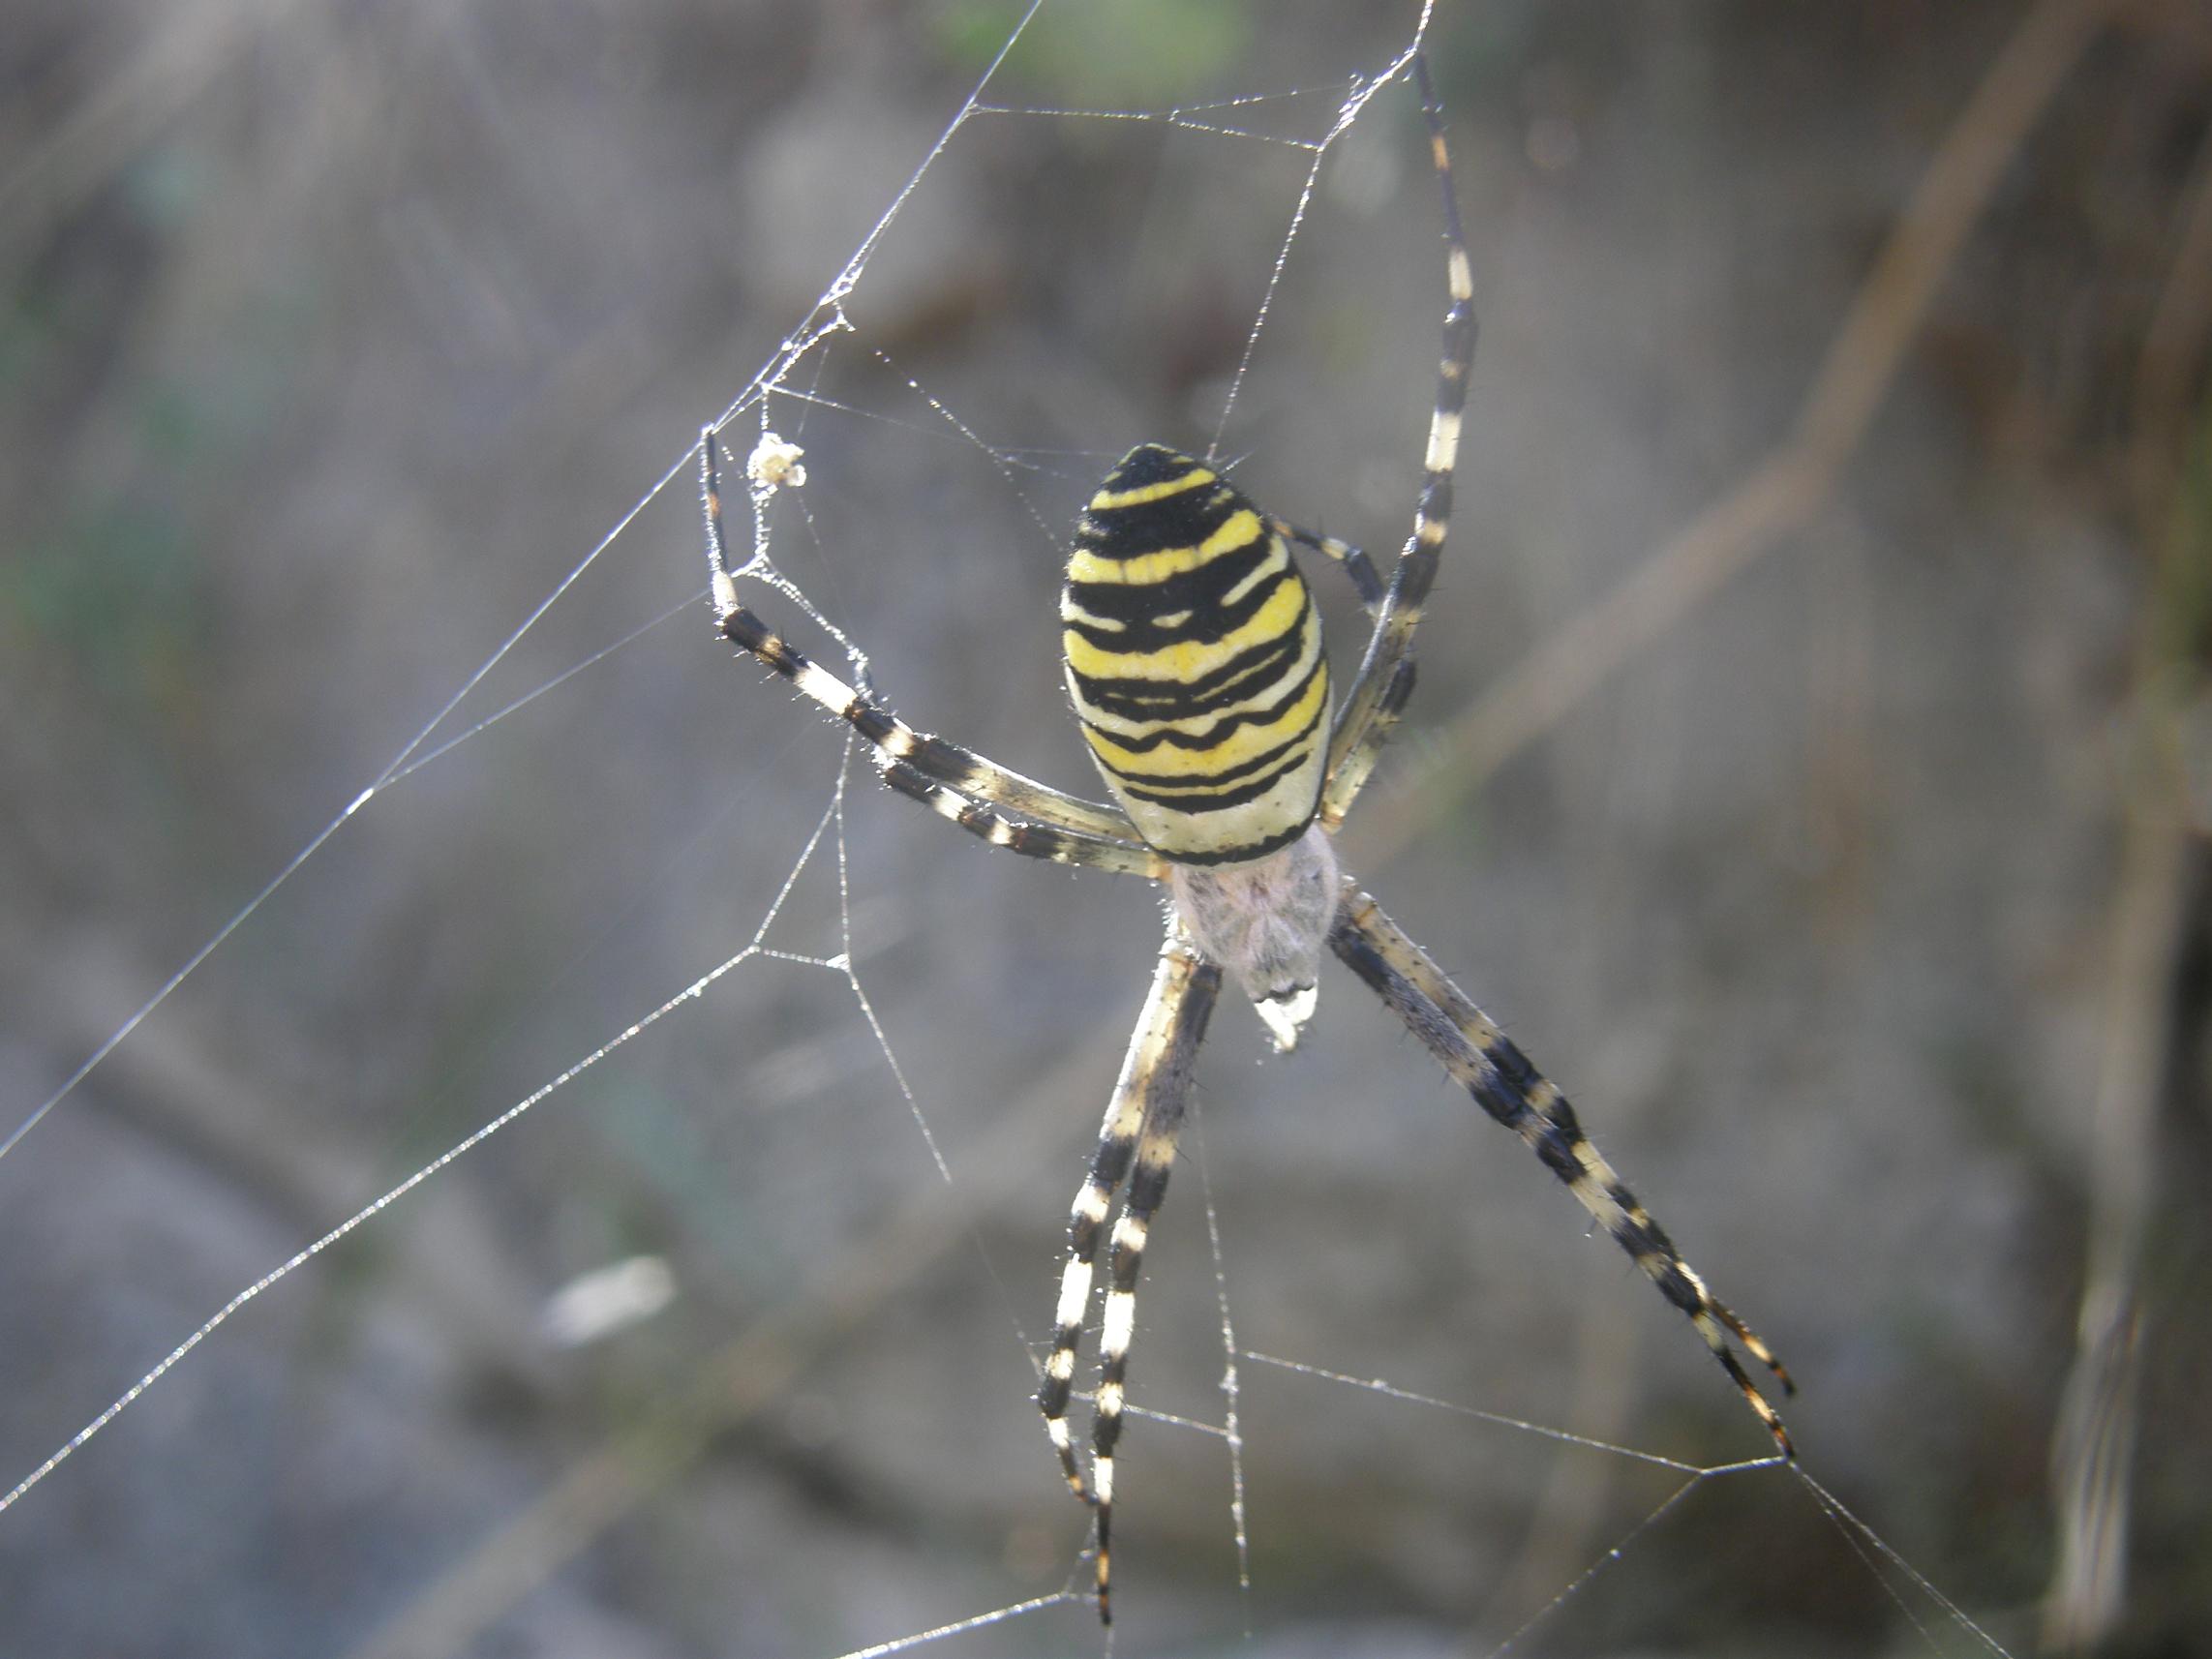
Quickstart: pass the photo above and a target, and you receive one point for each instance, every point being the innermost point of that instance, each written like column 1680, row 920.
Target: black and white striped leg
column 984, row 798
column 1505, row 1085
column 1352, row 560
column 1386, row 678
column 1143, row 1120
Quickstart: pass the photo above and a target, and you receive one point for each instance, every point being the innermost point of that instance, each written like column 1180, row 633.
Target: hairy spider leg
column 1352, row 560
column 1037, row 820
column 1143, row 1120
column 1491, row 1067
column 1386, row 678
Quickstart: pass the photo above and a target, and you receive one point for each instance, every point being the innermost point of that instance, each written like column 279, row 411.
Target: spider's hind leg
column 1352, row 561
column 1510, row 1089
column 987, row 799
column 1379, row 691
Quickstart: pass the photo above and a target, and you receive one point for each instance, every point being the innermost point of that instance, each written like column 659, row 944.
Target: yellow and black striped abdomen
column 1193, row 655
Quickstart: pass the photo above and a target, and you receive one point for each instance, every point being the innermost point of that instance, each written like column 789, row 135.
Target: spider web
column 842, row 1149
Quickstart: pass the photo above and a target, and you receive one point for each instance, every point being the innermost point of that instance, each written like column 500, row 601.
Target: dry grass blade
column 2092, row 1451
column 745, row 1375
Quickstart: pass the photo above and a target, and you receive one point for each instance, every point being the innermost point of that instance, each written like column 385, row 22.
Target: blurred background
column 1811, row 768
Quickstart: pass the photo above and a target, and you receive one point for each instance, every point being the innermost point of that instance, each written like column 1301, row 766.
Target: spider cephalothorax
column 1265, row 921
column 1193, row 656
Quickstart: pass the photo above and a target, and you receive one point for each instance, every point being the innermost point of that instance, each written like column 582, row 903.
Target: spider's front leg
column 1504, row 1084
column 1143, row 1120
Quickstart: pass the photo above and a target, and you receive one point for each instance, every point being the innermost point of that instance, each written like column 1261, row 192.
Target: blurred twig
column 2092, row 1451
column 2174, row 346
column 1783, row 492
column 744, row 1376
column 166, row 72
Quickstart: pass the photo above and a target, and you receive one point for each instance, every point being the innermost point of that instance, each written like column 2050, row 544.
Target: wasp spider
column 1193, row 658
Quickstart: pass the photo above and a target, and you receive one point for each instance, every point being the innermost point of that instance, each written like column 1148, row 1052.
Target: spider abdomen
column 1193, row 655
